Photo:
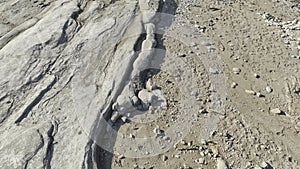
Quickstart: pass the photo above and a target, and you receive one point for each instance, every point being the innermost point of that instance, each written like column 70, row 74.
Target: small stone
column 256, row 75
column 269, row 89
column 202, row 154
column 265, row 165
column 149, row 85
column 200, row 161
column 131, row 136
column 182, row 142
column 121, row 156
column 115, row 116
column 190, row 143
column 124, row 119
column 233, row 85
column 250, row 92
column 164, row 158
column 259, row 94
column 276, row 111
column 135, row 100
column 221, row 164
column 202, row 111
column 214, row 150
column 157, row 131
column 236, row 70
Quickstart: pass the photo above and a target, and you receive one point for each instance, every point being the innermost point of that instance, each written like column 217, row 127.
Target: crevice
column 50, row 145
column 35, row 102
column 103, row 156
column 88, row 156
column 64, row 36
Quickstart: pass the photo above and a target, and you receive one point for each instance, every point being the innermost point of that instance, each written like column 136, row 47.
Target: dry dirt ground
column 230, row 75
column 261, row 38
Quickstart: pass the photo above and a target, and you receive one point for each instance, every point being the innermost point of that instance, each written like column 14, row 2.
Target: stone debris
column 200, row 161
column 276, row 111
column 236, row 70
column 269, row 89
column 221, row 164
column 164, row 158
column 234, row 85
column 259, row 94
column 157, row 131
column 250, row 92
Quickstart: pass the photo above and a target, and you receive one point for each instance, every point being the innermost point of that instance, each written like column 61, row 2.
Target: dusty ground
column 249, row 135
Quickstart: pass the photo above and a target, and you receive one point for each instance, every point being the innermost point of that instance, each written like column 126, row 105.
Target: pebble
column 115, row 116
column 200, row 161
column 121, row 157
column 276, row 111
column 250, row 92
column 236, row 70
column 149, row 85
column 233, row 85
column 259, row 94
column 269, row 89
column 256, row 75
column 221, row 164
column 265, row 165
column 214, row 150
column 157, row 131
column 183, row 142
column 131, row 136
column 164, row 158
column 124, row 119
column 135, row 100
column 202, row 111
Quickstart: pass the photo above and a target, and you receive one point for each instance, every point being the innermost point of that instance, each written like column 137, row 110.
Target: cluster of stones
column 139, row 95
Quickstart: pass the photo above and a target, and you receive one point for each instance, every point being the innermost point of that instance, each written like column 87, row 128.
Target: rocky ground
column 150, row 84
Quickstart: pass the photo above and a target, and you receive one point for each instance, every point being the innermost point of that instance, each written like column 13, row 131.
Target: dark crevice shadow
column 103, row 155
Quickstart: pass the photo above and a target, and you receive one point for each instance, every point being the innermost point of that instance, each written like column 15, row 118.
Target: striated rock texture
column 44, row 120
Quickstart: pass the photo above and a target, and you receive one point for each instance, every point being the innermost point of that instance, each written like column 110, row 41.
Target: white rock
column 135, row 100
column 145, row 96
column 236, row 70
column 269, row 89
column 115, row 116
column 124, row 119
column 200, row 161
column 164, row 158
column 250, row 92
column 221, row 164
column 259, row 94
column 276, row 111
column 149, row 85
column 265, row 165
column 233, row 85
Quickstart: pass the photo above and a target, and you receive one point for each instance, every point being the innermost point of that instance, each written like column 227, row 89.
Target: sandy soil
column 250, row 36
